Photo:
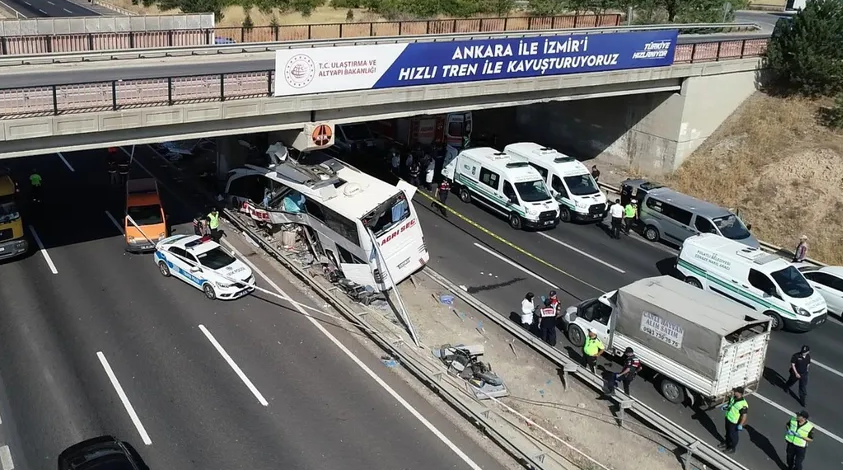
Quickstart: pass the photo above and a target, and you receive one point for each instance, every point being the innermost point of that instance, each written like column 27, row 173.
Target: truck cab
column 12, row 240
column 592, row 314
column 145, row 223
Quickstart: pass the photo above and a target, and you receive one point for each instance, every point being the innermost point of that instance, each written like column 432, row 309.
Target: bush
column 805, row 55
column 833, row 116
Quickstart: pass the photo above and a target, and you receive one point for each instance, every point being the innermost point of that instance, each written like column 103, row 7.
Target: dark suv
column 100, row 453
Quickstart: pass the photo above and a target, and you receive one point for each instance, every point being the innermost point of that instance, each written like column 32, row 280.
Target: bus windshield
column 792, row 283
column 388, row 215
column 581, row 185
column 146, row 215
column 8, row 211
column 532, row 191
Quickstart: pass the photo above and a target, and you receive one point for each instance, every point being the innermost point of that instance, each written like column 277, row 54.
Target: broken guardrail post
column 567, row 369
column 624, row 404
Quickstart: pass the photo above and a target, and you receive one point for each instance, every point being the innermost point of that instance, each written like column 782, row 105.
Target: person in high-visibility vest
column 592, row 349
column 214, row 224
column 736, row 411
column 630, row 213
column 35, row 183
column 800, row 432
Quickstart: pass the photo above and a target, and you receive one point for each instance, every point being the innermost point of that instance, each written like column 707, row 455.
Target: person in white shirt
column 428, row 174
column 528, row 310
column 396, row 163
column 616, row 212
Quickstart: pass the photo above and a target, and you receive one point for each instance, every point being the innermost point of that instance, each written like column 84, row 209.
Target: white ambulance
column 570, row 182
column 761, row 281
column 507, row 185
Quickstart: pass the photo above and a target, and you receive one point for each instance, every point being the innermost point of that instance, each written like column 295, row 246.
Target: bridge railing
column 92, row 42
column 115, row 95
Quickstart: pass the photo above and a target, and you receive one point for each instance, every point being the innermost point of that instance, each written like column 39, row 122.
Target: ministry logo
column 299, row 71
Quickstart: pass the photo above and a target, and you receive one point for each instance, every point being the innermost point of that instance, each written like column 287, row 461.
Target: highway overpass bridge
column 667, row 98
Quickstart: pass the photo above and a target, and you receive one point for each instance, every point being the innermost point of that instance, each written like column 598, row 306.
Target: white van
column 761, row 281
column 570, row 182
column 507, row 185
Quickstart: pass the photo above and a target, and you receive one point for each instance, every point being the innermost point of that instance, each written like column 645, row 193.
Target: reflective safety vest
column 798, row 433
column 733, row 411
column 548, row 312
column 35, row 179
column 214, row 220
column 629, row 211
column 591, row 346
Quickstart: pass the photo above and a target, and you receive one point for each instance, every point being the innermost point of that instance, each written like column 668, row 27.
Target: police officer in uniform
column 35, row 182
column 123, row 169
column 800, row 363
column 592, row 349
column 442, row 195
column 547, row 322
column 630, row 213
column 800, row 432
column 736, row 411
column 214, row 224
column 631, row 368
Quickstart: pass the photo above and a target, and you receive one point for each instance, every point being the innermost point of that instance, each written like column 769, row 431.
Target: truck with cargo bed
column 699, row 345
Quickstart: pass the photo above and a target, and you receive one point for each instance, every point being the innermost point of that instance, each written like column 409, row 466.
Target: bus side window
column 347, row 257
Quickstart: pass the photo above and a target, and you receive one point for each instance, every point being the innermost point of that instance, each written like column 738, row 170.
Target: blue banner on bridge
column 346, row 68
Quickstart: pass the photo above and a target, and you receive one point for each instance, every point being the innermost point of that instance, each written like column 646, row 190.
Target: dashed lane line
column 43, row 250
column 237, row 369
column 6, row 458
column 66, row 163
column 123, row 398
column 404, row 403
column 577, row 250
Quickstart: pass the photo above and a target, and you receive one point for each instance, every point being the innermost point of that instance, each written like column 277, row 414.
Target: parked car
column 828, row 281
column 104, row 452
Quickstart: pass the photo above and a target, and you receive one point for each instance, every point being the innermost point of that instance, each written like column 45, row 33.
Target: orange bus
column 145, row 223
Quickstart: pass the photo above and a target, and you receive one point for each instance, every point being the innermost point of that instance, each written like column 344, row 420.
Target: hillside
column 782, row 170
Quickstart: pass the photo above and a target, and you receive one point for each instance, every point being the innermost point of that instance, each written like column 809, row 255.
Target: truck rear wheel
column 465, row 196
column 672, row 391
column 576, row 336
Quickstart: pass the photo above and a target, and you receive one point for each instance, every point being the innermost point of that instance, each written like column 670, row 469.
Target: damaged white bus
column 344, row 211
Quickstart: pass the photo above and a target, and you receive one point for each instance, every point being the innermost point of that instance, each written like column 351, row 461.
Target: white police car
column 202, row 263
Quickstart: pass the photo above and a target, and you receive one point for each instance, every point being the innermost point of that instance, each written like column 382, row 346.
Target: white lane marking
column 791, row 413
column 28, row 3
column 66, row 163
column 43, row 250
column 42, row 11
column 51, row 3
column 556, row 240
column 120, row 393
column 823, row 366
column 6, row 458
column 114, row 221
column 65, row 9
column 234, row 366
column 515, row 265
column 436, row 432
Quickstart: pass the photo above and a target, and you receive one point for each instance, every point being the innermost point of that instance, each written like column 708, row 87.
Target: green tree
column 805, row 55
column 547, row 7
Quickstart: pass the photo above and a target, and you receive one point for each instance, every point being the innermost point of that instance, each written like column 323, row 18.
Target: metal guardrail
column 694, row 446
column 115, row 95
column 58, row 43
column 769, row 247
column 258, row 47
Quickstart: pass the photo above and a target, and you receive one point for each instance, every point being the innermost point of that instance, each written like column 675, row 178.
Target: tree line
column 645, row 11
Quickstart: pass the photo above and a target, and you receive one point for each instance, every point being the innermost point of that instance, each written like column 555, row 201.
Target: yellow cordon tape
column 509, row 243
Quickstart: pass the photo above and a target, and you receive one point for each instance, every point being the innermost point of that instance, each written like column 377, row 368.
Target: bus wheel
column 465, row 196
column 515, row 221
column 776, row 322
column 693, row 282
column 564, row 214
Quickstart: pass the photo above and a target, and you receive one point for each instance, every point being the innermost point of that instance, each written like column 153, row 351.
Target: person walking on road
column 630, row 213
column 736, row 412
column 35, row 184
column 547, row 322
column 123, row 170
column 592, row 349
column 429, row 172
column 801, row 252
column 631, row 368
column 528, row 310
column 214, row 224
column 595, row 173
column 415, row 171
column 616, row 212
column 442, row 197
column 800, row 364
column 800, row 432
column 112, row 165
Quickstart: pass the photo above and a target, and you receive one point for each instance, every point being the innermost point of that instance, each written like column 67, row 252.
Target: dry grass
column 783, row 171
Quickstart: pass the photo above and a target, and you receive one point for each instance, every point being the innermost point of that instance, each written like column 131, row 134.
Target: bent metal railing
column 115, row 95
column 92, row 42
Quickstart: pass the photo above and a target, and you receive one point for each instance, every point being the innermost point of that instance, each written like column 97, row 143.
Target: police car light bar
column 199, row 241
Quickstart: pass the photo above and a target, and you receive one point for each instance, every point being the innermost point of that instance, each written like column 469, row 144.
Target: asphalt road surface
column 49, row 8
column 581, row 262
column 80, row 318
